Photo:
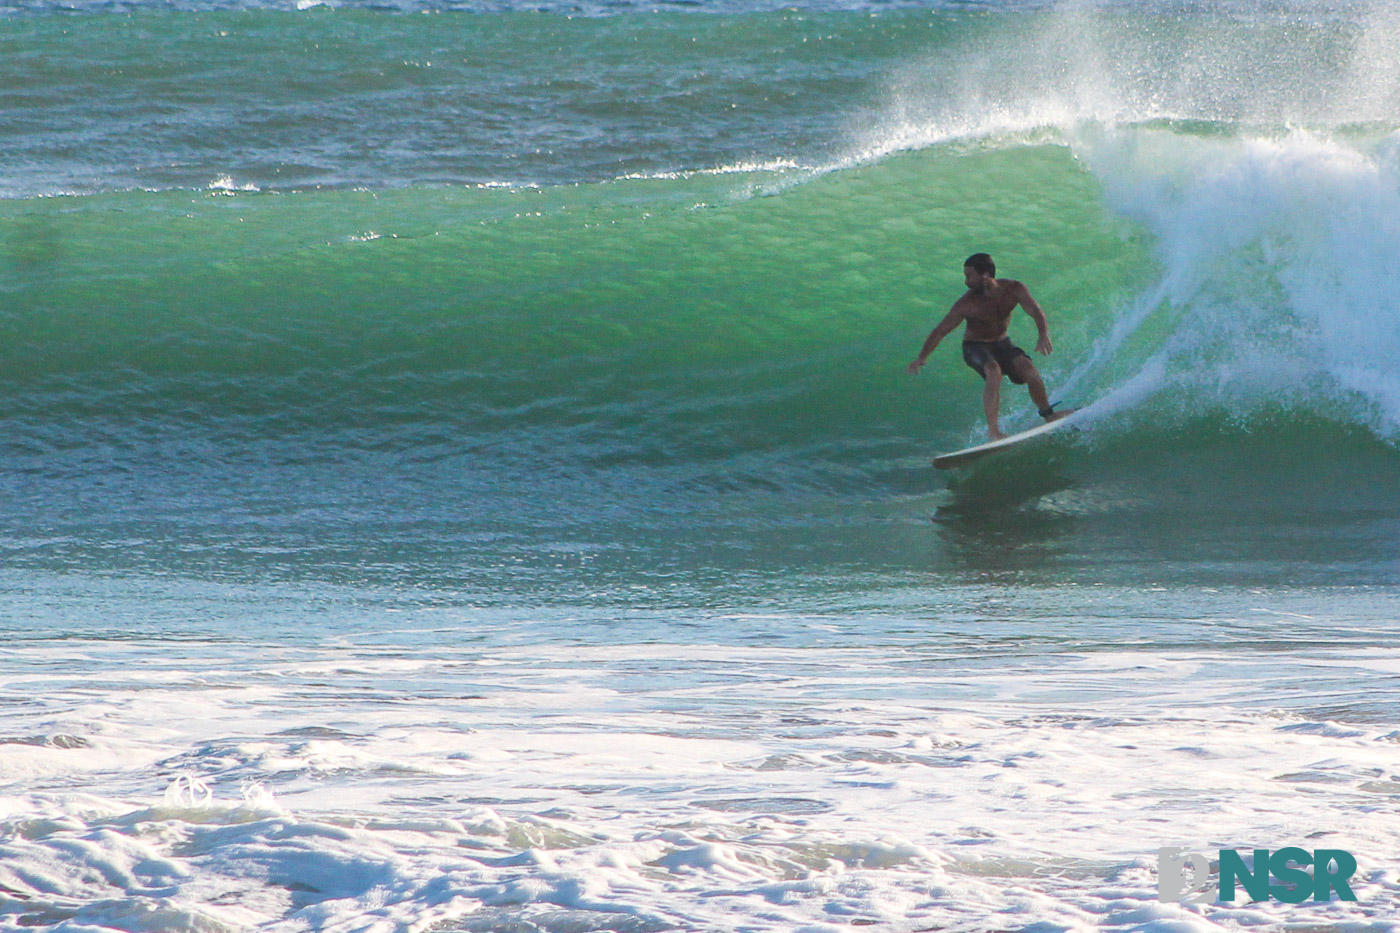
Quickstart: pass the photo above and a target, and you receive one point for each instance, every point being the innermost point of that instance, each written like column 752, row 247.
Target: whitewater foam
column 703, row 785
column 1274, row 271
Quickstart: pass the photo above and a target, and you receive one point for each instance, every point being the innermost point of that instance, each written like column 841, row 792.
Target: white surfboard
column 967, row 455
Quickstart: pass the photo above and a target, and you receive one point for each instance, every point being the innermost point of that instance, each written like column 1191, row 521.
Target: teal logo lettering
column 1185, row 876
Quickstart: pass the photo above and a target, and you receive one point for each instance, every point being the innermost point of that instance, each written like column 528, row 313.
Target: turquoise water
column 459, row 469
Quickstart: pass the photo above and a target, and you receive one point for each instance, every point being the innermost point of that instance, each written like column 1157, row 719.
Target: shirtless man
column 987, row 307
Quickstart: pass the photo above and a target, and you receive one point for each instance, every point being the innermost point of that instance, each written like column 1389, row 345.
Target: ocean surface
column 458, row 471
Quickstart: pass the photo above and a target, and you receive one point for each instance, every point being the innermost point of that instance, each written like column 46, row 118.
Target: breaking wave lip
column 735, row 168
column 1273, row 271
column 227, row 184
column 1111, row 64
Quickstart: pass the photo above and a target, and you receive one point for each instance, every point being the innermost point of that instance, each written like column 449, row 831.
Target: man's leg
column 991, row 399
column 1027, row 373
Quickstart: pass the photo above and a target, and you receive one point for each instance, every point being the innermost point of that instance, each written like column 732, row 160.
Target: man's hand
column 1043, row 345
column 914, row 367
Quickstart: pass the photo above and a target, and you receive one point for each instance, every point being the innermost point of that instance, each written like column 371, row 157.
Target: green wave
column 691, row 309
column 738, row 327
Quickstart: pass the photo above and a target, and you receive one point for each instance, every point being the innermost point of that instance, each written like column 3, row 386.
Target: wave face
column 621, row 272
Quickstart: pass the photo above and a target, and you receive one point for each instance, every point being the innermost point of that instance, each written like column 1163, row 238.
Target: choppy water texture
column 459, row 470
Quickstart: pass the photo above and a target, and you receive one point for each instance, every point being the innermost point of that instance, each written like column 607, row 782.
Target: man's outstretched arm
column 944, row 328
column 1025, row 300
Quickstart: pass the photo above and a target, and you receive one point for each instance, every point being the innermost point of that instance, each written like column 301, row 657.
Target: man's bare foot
column 1057, row 415
column 994, row 435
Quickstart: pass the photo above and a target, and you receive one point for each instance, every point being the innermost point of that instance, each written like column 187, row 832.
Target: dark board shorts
column 977, row 352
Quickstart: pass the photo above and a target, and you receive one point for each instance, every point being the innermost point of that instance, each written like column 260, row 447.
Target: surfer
column 987, row 307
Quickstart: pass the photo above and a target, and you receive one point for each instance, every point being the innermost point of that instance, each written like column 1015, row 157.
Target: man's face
column 973, row 278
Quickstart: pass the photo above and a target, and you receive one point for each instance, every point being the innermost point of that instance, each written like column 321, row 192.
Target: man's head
column 979, row 269
column 982, row 264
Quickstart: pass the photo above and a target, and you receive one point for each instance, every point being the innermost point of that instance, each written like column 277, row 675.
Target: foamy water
column 1274, row 286
column 772, row 772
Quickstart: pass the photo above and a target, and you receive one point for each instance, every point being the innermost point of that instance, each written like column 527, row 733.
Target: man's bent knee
column 991, row 371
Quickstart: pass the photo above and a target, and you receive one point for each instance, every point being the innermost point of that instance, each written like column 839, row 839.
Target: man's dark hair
column 982, row 264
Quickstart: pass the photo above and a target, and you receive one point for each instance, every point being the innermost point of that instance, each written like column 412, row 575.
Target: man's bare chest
column 989, row 311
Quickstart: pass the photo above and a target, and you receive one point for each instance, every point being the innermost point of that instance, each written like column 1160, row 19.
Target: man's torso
column 988, row 313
